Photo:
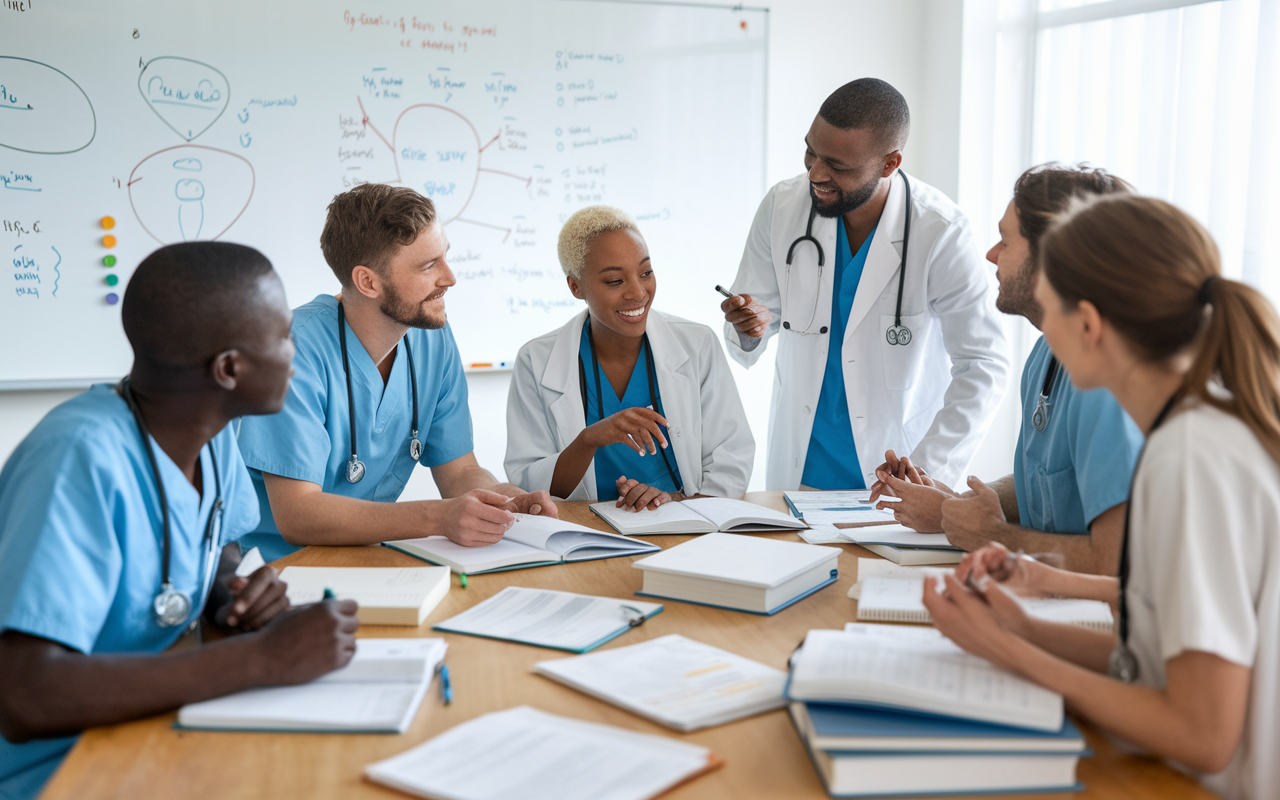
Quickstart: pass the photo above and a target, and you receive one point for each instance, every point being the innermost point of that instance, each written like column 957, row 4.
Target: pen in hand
column 723, row 291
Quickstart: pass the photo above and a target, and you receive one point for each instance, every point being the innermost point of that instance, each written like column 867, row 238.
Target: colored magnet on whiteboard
column 108, row 222
column 111, row 280
column 108, row 241
column 109, row 261
column 112, row 299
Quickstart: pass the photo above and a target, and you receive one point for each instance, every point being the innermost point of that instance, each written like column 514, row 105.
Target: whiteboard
column 241, row 120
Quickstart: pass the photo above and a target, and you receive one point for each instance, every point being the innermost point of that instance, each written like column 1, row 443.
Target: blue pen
column 446, row 686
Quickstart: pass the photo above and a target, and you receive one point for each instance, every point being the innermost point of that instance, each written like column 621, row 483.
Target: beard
column 1017, row 295
column 846, row 201
column 406, row 312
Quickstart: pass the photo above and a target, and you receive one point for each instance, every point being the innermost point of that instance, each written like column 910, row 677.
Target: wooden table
column 764, row 756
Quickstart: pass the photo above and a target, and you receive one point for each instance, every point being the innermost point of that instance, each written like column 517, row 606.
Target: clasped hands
column 930, row 506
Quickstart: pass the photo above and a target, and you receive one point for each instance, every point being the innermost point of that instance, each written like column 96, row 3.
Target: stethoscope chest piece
column 355, row 470
column 171, row 607
column 1040, row 417
column 898, row 334
column 415, row 447
column 1123, row 664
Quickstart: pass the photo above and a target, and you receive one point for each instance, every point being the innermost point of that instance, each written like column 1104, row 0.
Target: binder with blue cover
column 869, row 753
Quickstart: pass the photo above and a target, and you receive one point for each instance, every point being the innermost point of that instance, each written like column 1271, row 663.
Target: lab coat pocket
column 902, row 349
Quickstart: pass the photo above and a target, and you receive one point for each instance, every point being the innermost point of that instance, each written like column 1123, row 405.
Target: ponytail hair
column 1154, row 274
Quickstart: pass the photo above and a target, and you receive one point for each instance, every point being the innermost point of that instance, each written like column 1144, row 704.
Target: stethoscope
column 1123, row 664
column 1040, row 417
column 895, row 334
column 653, row 397
column 170, row 606
column 355, row 467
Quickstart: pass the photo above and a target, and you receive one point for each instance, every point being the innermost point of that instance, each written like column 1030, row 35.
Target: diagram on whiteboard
column 188, row 192
column 438, row 153
column 188, row 96
column 43, row 110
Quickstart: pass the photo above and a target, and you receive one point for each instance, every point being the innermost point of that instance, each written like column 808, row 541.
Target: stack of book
column 890, row 710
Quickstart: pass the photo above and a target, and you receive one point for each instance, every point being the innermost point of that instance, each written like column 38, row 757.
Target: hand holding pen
column 744, row 313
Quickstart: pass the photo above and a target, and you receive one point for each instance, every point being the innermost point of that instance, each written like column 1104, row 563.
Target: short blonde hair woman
column 624, row 403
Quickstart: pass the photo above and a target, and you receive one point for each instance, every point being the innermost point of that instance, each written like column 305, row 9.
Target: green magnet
column 110, row 261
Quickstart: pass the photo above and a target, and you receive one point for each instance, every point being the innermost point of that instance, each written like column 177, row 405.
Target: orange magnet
column 108, row 222
column 108, row 241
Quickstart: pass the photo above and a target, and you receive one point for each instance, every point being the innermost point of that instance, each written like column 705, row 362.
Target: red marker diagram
column 42, row 110
column 438, row 153
column 190, row 192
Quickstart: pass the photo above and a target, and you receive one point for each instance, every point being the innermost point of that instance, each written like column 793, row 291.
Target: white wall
column 814, row 47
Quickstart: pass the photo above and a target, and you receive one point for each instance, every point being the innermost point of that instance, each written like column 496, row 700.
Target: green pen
column 462, row 578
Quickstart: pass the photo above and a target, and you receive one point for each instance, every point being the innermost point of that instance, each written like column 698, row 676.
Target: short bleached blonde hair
column 584, row 226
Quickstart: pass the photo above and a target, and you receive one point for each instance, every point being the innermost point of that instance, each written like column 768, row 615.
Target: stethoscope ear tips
column 787, row 325
column 823, row 329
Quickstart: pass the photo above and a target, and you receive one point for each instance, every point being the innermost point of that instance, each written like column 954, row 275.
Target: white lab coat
column 709, row 435
column 932, row 399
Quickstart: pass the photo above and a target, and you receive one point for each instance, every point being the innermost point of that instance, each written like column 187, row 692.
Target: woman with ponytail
column 1134, row 301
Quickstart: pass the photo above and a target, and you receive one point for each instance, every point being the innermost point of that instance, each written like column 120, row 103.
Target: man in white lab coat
column 870, row 357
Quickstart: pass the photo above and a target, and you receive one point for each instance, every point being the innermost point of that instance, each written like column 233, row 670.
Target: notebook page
column 679, row 682
column 669, row 517
column 918, row 668
column 526, row 753
column 897, row 535
column 723, row 512
column 546, row 618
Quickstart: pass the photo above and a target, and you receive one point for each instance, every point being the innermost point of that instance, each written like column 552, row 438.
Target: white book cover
column 674, row 681
column 526, row 753
column 386, row 595
column 379, row 691
column 918, row 669
column 748, row 560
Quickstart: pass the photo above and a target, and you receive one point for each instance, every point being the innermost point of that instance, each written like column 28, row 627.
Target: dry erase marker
column 723, row 291
column 329, row 595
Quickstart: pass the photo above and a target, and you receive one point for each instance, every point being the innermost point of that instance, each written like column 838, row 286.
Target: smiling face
column 416, row 280
column 845, row 166
column 617, row 282
column 1015, row 270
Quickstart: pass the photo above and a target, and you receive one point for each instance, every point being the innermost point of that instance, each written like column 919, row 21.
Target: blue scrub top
column 1080, row 465
column 832, row 460
column 615, row 460
column 80, row 544
column 310, row 440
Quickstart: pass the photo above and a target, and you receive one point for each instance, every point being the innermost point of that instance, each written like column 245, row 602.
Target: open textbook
column 532, row 541
column 890, row 593
column 548, row 618
column 699, row 515
column 526, row 753
column 916, row 669
column 379, row 691
column 674, row 681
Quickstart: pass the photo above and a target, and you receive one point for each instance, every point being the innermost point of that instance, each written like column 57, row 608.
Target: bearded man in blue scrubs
column 127, row 492
column 1076, row 450
column 378, row 388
